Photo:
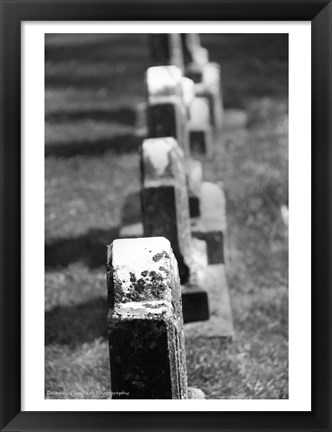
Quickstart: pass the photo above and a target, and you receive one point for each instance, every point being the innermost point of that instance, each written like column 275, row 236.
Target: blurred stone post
column 166, row 49
column 212, row 224
column 205, row 74
column 165, row 210
column 191, row 47
column 170, row 96
column 166, row 111
column 165, row 198
column 195, row 179
column 200, row 134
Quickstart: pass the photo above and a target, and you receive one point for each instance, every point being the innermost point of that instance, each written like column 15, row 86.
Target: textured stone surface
column 145, row 324
column 165, row 198
column 166, row 49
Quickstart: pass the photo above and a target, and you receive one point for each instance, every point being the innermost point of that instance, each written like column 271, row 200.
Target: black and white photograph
column 166, row 216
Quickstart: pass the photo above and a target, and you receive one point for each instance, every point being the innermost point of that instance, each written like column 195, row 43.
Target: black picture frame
column 13, row 12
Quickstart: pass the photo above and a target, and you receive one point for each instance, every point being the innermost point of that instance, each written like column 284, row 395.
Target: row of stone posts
column 171, row 269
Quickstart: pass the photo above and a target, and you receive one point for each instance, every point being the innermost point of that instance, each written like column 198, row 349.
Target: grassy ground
column 93, row 83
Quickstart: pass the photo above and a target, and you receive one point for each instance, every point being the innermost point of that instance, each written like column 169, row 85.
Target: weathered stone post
column 164, row 81
column 208, row 85
column 205, row 74
column 191, row 47
column 166, row 49
column 212, row 224
column 145, row 325
column 188, row 92
column 166, row 111
column 200, row 134
column 165, row 210
column 165, row 198
column 170, row 96
column 211, row 228
column 195, row 179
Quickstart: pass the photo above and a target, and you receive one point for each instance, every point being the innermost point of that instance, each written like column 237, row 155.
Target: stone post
column 165, row 210
column 212, row 225
column 166, row 111
column 170, row 97
column 145, row 325
column 195, row 179
column 208, row 85
column 200, row 134
column 191, row 47
column 165, row 205
column 166, row 49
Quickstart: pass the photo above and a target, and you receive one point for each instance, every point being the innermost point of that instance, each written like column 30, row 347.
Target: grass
column 93, row 83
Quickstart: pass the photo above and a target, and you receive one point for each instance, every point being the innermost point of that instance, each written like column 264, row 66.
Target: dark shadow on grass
column 124, row 116
column 89, row 248
column 74, row 325
column 86, row 82
column 96, row 48
column 119, row 144
column 103, row 61
column 132, row 211
column 93, row 48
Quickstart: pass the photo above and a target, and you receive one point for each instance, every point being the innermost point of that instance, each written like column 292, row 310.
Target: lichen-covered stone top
column 143, row 279
column 164, row 81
